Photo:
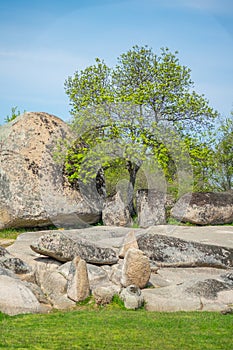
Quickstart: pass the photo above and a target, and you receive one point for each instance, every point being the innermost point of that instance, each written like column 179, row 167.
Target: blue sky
column 43, row 42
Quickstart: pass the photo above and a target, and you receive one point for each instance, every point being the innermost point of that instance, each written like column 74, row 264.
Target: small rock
column 103, row 295
column 132, row 297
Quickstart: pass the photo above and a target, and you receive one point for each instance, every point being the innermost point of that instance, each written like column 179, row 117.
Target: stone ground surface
column 170, row 286
column 113, row 236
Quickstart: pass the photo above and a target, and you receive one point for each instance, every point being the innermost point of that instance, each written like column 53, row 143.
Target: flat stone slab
column 189, row 289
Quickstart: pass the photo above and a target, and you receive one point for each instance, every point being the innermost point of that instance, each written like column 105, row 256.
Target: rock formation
column 33, row 188
column 204, row 208
column 174, row 285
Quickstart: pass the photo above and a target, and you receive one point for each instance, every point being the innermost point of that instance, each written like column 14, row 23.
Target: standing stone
column 116, row 212
column 150, row 207
column 130, row 241
column 204, row 208
column 136, row 269
column 78, row 283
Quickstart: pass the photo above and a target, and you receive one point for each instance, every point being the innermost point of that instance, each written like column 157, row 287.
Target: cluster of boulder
column 152, row 267
column 167, row 268
column 35, row 191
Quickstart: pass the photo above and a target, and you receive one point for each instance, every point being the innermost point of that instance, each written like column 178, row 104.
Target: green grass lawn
column 117, row 329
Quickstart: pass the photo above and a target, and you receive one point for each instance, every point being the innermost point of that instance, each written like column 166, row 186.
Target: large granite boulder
column 150, row 207
column 204, row 208
column 173, row 251
column 64, row 248
column 33, row 188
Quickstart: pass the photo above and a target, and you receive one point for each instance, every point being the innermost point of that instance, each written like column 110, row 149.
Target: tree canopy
column 137, row 111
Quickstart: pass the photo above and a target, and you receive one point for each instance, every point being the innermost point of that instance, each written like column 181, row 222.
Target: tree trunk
column 132, row 169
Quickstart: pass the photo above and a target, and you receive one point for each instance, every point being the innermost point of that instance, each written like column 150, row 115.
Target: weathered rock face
column 115, row 212
column 204, row 208
column 16, row 298
column 136, row 269
column 150, row 207
column 172, row 251
column 12, row 263
column 33, row 188
column 64, row 248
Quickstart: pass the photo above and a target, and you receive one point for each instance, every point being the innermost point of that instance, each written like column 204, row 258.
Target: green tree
column 135, row 111
column 223, row 172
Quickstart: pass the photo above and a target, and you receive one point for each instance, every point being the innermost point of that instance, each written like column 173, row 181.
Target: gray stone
column 97, row 276
column 172, row 251
column 7, row 272
column 64, row 269
column 116, row 212
column 132, row 297
column 37, row 291
column 170, row 299
column 192, row 289
column 78, row 288
column 150, row 207
column 204, row 208
column 27, row 145
column 136, row 269
column 54, row 286
column 63, row 248
column 12, row 263
column 16, row 298
column 116, row 273
column 103, row 295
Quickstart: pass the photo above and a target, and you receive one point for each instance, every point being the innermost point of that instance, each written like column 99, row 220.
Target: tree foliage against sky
column 140, row 109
